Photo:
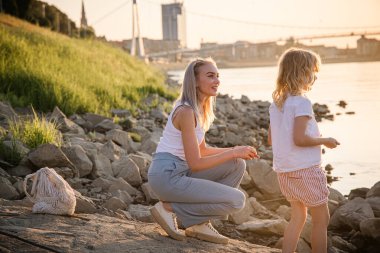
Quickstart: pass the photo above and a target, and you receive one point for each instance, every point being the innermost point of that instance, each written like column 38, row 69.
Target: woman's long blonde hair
column 296, row 70
column 204, row 112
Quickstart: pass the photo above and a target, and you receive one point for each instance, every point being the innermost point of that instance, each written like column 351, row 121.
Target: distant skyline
column 225, row 21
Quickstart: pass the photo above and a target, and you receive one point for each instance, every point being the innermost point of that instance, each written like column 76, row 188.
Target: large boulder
column 49, row 155
column 7, row 191
column 106, row 125
column 112, row 151
column 265, row 227
column 351, row 214
column 121, row 138
column 375, row 204
column 264, row 178
column 371, row 228
column 78, row 157
column 101, row 166
column 374, row 191
column 142, row 161
column 242, row 215
column 127, row 169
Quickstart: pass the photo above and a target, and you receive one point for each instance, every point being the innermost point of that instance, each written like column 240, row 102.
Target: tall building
column 174, row 23
column 83, row 20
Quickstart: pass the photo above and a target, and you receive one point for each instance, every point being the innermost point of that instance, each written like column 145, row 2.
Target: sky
column 228, row 21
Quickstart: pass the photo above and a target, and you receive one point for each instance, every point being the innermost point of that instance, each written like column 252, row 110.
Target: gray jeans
column 197, row 197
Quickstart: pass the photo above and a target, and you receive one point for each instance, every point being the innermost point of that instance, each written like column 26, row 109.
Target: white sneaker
column 206, row 232
column 167, row 220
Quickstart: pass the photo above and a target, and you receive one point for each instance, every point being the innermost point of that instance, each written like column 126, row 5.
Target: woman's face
column 207, row 80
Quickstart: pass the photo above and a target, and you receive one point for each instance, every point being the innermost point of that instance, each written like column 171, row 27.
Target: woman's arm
column 301, row 139
column 185, row 121
column 207, row 150
column 269, row 136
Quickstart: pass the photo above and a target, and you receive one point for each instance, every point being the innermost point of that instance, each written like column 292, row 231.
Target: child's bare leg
column 293, row 230
column 320, row 217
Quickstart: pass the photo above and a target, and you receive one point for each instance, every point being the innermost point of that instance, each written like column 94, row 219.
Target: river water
column 356, row 161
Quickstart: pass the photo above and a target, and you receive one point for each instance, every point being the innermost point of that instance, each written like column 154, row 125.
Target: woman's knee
column 240, row 165
column 237, row 202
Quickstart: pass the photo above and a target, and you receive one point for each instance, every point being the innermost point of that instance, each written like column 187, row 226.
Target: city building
column 83, row 20
column 367, row 47
column 174, row 23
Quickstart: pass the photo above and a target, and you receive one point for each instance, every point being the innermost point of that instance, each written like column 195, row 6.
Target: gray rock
column 358, row 192
column 375, row 204
column 49, row 155
column 6, row 111
column 94, row 119
column 121, row 113
column 127, row 169
column 351, row 214
column 101, row 166
column 371, row 228
column 120, row 184
column 123, row 196
column 242, row 215
column 20, row 171
column 99, row 233
column 84, row 204
column 265, row 227
column 264, row 178
column 121, row 138
column 88, row 146
column 285, row 212
column 232, row 139
column 374, row 191
column 78, row 157
column 15, row 145
column 65, row 172
column 150, row 196
column 115, row 203
column 302, row 246
column 102, row 183
column 105, row 126
column 7, row 191
column 342, row 244
column 142, row 161
column 112, row 151
column 140, row 213
column 246, row 181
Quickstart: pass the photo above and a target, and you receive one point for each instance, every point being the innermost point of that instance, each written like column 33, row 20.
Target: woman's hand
column 245, row 152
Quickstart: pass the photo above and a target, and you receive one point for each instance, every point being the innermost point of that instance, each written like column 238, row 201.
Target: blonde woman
column 296, row 143
column 194, row 182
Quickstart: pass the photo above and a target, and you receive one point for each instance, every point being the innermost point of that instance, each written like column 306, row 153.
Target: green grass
column 35, row 131
column 46, row 69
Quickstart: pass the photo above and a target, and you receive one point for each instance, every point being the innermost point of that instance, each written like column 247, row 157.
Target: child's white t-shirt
column 286, row 155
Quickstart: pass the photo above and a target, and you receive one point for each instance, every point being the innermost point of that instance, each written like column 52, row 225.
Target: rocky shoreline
column 106, row 160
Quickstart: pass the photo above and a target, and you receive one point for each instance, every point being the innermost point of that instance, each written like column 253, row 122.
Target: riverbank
column 106, row 161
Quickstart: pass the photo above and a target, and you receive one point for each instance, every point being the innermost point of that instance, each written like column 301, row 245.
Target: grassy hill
column 44, row 68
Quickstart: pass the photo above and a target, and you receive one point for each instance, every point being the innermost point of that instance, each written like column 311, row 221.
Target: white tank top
column 171, row 140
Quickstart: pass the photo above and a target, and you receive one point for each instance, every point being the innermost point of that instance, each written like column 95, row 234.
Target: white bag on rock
column 50, row 193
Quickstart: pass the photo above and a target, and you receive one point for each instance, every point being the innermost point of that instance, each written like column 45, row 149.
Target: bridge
column 219, row 46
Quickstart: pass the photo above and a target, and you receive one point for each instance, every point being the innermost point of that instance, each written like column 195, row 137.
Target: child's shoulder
column 299, row 100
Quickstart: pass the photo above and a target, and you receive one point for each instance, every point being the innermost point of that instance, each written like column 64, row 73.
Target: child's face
column 208, row 80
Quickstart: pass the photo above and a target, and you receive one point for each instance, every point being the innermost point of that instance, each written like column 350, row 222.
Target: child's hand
column 331, row 143
column 245, row 152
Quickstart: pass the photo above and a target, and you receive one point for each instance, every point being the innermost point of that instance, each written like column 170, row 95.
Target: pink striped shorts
column 308, row 186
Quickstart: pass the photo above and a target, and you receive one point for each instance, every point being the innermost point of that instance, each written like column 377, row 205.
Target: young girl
column 296, row 142
column 195, row 182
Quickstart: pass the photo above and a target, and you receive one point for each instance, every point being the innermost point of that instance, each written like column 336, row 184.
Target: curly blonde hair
column 296, row 73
